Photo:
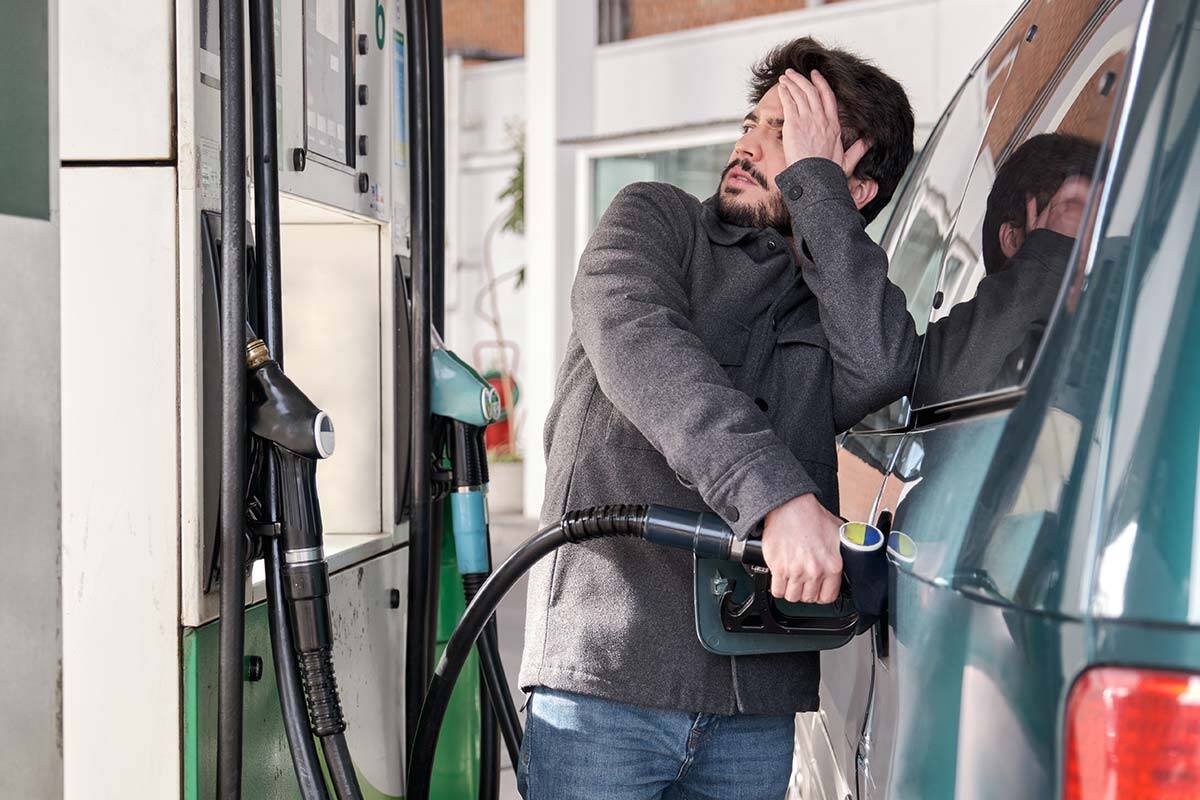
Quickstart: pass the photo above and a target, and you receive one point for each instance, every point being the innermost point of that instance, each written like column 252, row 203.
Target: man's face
column 747, row 194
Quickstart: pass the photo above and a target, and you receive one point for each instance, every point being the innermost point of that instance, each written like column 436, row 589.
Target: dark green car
column 1042, row 639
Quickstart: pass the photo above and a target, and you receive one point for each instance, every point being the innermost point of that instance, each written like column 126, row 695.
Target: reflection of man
column 716, row 351
column 1034, row 211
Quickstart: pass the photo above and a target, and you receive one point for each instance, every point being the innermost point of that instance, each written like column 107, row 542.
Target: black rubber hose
column 489, row 707
column 306, row 590
column 489, row 747
column 494, row 681
column 266, row 175
column 307, row 767
column 287, row 680
column 437, row 166
column 422, row 566
column 594, row 523
column 341, row 767
column 500, row 699
column 233, row 403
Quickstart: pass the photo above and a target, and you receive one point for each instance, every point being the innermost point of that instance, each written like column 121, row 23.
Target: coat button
column 772, row 244
column 795, row 192
column 732, row 514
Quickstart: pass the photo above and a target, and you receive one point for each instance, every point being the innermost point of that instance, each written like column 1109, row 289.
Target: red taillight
column 1133, row 734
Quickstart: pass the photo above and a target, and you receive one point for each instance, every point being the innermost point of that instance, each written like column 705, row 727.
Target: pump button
column 363, row 47
column 362, row 145
column 362, row 94
column 364, row 183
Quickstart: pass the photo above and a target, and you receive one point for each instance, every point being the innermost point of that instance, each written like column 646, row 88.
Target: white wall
column 683, row 82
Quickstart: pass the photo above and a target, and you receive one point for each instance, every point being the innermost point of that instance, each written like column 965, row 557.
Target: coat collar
column 720, row 231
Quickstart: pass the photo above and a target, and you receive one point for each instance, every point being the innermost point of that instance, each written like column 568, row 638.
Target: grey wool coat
column 705, row 370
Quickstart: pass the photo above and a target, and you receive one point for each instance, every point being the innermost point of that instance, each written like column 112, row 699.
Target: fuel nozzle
column 301, row 433
column 863, row 561
column 704, row 534
column 280, row 412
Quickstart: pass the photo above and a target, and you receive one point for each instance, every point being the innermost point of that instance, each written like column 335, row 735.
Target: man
column 717, row 350
column 1034, row 211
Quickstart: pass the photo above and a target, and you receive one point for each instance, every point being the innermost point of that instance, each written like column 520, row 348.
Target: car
column 1041, row 635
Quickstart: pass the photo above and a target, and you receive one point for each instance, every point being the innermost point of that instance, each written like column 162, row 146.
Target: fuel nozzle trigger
column 860, row 601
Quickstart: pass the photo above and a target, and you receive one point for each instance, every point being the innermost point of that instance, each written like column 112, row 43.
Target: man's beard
column 772, row 214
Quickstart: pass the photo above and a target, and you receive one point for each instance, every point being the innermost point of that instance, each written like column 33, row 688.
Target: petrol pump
column 156, row 474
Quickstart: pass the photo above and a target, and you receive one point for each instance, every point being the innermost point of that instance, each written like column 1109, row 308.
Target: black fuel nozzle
column 864, row 564
column 280, row 412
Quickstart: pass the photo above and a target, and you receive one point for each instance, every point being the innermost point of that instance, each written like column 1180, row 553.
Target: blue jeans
column 585, row 748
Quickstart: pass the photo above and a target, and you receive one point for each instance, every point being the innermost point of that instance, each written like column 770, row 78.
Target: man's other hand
column 801, row 548
column 812, row 127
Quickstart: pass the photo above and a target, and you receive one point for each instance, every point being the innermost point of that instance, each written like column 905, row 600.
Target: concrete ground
column 509, row 531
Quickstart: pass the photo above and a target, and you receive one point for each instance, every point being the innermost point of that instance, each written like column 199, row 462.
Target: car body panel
column 1056, row 522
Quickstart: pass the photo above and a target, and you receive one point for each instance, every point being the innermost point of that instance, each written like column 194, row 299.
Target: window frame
column 900, row 214
column 625, row 144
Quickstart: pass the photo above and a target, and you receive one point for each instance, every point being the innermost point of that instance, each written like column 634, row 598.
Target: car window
column 1004, row 260
column 919, row 232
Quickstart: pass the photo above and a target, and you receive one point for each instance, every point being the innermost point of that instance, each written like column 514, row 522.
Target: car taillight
column 1133, row 734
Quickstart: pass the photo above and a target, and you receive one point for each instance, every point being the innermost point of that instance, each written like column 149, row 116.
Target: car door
column 916, row 239
column 982, row 475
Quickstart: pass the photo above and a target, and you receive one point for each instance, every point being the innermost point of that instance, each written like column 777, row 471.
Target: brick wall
column 498, row 26
column 477, row 27
column 649, row 17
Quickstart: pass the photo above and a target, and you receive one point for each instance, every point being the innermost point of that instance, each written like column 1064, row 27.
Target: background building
column 610, row 92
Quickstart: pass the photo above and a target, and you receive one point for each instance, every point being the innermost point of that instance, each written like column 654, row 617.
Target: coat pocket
column 809, row 332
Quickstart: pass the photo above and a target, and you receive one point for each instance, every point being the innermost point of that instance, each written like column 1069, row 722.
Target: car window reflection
column 1034, row 212
column 1013, row 231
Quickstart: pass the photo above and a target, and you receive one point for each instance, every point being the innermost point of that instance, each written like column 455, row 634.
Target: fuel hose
column 701, row 533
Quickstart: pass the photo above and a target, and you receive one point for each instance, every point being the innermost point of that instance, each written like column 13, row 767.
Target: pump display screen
column 328, row 80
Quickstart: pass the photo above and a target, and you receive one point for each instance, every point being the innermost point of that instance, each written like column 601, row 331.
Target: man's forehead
column 769, row 108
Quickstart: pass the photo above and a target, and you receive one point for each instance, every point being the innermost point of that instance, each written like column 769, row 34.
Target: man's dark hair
column 1038, row 168
column 871, row 105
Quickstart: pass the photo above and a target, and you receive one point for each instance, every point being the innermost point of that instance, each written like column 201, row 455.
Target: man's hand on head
column 1064, row 212
column 801, row 548
column 811, row 125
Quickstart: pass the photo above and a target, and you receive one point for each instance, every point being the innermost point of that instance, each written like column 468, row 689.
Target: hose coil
column 604, row 521
column 320, row 690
